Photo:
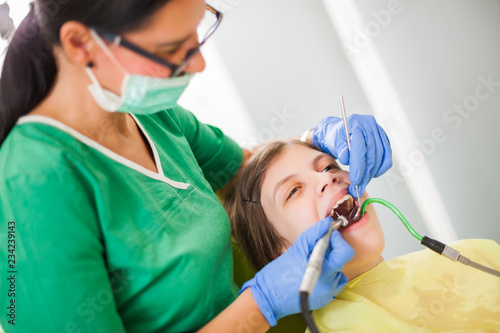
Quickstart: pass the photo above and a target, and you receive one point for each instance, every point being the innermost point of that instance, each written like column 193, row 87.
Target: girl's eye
column 330, row 167
column 292, row 192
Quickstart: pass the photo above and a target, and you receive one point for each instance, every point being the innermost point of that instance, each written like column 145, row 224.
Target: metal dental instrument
column 356, row 216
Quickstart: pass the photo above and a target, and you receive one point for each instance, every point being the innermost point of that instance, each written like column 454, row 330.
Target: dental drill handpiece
column 346, row 128
column 313, row 268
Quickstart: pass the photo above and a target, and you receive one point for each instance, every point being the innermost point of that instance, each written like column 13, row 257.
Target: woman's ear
column 77, row 42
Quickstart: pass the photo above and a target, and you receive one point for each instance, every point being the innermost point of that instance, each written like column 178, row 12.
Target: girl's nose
column 326, row 180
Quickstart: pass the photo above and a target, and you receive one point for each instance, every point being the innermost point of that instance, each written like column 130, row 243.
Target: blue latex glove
column 371, row 153
column 275, row 287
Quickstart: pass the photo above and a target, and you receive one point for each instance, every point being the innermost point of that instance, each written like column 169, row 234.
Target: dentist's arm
column 243, row 315
column 274, row 291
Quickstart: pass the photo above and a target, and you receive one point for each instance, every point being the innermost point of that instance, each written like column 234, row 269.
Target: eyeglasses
column 207, row 27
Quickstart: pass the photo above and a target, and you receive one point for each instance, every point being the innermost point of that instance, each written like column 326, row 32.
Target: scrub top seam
column 105, row 151
column 151, row 144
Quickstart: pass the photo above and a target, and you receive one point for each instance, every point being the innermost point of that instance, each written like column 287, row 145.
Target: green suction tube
column 395, row 211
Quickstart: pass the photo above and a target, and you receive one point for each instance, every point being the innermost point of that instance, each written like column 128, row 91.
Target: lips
column 353, row 226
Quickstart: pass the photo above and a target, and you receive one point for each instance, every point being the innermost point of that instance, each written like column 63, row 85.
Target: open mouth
column 347, row 207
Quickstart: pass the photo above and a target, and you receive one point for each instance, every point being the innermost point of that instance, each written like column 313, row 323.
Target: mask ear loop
column 111, row 56
column 91, row 74
column 106, row 50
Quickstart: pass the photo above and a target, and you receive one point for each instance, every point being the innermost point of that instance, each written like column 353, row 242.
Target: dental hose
column 313, row 268
column 434, row 245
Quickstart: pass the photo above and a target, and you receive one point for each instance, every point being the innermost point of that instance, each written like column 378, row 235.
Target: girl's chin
column 358, row 266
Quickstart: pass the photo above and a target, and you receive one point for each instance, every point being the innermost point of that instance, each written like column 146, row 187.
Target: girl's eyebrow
column 325, row 157
column 319, row 158
column 287, row 178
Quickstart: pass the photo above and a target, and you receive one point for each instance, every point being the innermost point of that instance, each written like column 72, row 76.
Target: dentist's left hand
column 371, row 153
column 275, row 287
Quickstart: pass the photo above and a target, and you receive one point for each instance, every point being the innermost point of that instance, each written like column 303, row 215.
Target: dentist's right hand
column 275, row 287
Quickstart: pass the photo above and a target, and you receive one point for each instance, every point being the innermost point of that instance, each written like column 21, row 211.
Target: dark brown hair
column 29, row 70
column 257, row 237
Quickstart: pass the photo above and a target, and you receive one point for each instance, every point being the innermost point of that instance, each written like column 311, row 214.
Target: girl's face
column 301, row 187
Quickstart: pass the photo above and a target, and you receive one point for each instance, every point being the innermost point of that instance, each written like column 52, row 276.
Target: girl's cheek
column 345, row 176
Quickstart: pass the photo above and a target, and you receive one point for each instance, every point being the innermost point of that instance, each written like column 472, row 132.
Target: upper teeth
column 346, row 197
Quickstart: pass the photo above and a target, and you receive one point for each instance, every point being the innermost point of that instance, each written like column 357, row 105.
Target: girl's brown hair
column 259, row 240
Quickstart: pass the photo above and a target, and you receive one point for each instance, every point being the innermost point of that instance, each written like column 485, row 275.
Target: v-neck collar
column 109, row 153
column 151, row 146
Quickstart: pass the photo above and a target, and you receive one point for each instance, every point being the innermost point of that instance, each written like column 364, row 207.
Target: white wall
column 286, row 57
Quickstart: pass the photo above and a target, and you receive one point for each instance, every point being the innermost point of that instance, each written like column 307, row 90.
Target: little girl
column 288, row 186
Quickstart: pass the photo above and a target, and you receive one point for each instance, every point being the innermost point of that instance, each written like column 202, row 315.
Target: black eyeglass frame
column 175, row 68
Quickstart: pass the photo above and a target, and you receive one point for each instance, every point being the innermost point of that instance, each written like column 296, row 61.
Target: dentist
column 108, row 210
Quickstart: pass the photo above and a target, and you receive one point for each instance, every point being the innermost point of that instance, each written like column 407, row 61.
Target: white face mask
column 139, row 94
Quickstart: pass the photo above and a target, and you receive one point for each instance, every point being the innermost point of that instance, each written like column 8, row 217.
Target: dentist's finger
column 341, row 252
column 387, row 155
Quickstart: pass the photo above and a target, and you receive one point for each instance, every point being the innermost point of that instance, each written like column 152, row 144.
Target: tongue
column 343, row 209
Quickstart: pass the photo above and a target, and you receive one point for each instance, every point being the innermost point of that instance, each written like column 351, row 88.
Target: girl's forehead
column 293, row 159
column 301, row 155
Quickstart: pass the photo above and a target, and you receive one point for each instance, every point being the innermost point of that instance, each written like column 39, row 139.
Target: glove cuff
column 315, row 136
column 321, row 130
column 261, row 301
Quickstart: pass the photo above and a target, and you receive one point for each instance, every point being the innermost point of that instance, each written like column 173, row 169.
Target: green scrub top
column 103, row 244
